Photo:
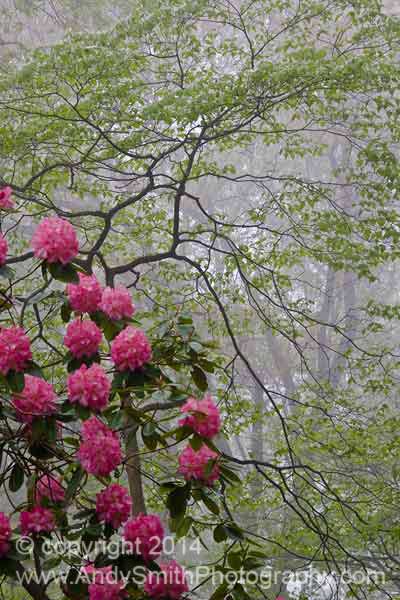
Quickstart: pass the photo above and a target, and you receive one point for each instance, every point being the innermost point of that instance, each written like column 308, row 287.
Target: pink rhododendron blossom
column 100, row 449
column 169, row 583
column 103, row 584
column 83, row 338
column 55, row 241
column 203, row 416
column 130, row 349
column 3, row 250
column 195, row 465
column 15, row 350
column 89, row 386
column 5, row 197
column 37, row 520
column 36, row 399
column 49, row 487
column 5, row 534
column 116, row 303
column 146, row 534
column 85, row 296
column 113, row 505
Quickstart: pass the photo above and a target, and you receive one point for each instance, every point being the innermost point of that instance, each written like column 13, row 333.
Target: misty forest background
column 283, row 247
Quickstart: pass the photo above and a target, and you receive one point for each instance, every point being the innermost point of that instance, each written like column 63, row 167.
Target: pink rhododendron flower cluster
column 5, row 198
column 100, row 449
column 5, row 534
column 130, row 349
column 85, row 296
column 203, row 416
column 193, row 465
column 55, row 241
column 113, row 505
column 49, row 487
column 82, row 338
column 169, row 583
column 116, row 303
column 89, row 386
column 146, row 534
column 103, row 584
column 36, row 399
column 37, row 520
column 3, row 250
column 15, row 350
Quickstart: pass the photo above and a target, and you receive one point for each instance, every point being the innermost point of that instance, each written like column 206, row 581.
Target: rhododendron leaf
column 153, row 371
column 7, row 272
column 74, row 365
column 126, row 563
column 75, row 588
column 43, row 269
column 183, row 432
column 209, row 467
column 234, row 560
column 177, row 501
column 199, row 378
column 67, row 407
column 44, row 428
column 185, row 331
column 168, row 486
column 211, row 505
column 41, row 450
column 16, row 381
column 184, row 527
column 74, row 483
column 258, row 554
column 150, row 442
column 229, row 475
column 176, row 522
column 196, row 442
column 65, row 273
column 15, row 555
column 92, row 531
column 196, row 493
column 115, row 420
column 9, row 567
column 150, row 436
column 66, row 312
column 220, row 533
column 83, row 412
column 133, row 413
column 16, row 478
column 5, row 304
column 137, row 379
column 221, row 592
column 196, row 347
column 239, row 593
column 207, row 365
column 149, row 429
column 253, row 563
column 185, row 318
column 199, row 539
column 110, row 328
column 51, row 563
column 233, row 531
